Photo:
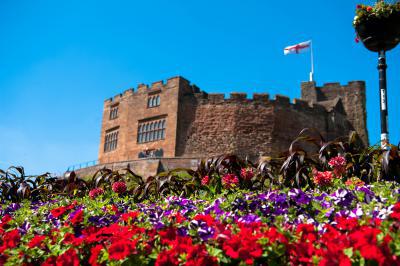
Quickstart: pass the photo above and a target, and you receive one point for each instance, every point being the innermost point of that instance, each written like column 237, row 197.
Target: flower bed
column 338, row 206
column 337, row 226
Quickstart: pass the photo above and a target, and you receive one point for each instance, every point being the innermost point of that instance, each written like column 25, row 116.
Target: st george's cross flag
column 297, row 48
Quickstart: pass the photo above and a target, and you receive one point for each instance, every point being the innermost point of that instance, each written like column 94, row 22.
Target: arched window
column 111, row 140
column 153, row 101
column 163, row 129
column 151, row 130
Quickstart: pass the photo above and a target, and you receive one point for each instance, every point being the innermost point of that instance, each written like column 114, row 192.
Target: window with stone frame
column 153, row 101
column 111, row 140
column 113, row 112
column 151, row 130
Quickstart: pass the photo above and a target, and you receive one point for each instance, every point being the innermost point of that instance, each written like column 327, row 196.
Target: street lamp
column 378, row 27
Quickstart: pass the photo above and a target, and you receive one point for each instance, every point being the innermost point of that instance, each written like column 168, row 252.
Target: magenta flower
column 119, row 187
column 94, row 193
column 230, row 181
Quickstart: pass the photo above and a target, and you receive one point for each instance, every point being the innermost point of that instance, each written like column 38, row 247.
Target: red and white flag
column 298, row 48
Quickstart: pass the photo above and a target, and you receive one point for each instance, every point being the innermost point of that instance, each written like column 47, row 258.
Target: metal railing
column 82, row 165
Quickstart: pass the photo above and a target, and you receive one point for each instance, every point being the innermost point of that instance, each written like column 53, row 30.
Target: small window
column 153, row 101
column 113, row 112
column 111, row 141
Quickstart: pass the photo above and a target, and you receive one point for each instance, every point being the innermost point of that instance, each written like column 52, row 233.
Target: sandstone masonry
column 177, row 119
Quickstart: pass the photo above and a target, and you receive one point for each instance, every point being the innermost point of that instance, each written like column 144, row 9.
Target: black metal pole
column 383, row 99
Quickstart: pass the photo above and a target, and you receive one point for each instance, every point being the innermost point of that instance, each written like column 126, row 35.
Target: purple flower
column 368, row 194
column 12, row 208
column 24, row 228
column 203, row 230
column 249, row 218
column 342, row 197
column 299, row 196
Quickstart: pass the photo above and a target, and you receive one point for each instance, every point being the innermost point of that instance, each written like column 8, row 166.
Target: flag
column 298, row 48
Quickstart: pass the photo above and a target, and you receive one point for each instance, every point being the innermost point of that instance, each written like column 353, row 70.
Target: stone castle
column 176, row 120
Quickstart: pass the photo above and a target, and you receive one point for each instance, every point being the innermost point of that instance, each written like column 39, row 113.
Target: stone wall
column 203, row 125
column 253, row 127
column 353, row 97
column 133, row 109
column 143, row 167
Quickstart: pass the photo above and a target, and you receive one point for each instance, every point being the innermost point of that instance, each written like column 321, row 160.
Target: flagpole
column 312, row 63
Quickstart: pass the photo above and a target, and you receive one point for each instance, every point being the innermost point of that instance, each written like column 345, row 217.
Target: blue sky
column 59, row 60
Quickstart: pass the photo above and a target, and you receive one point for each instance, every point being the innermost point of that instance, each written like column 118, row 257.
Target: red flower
column 243, row 246
column 348, row 224
column 11, row 239
column 322, row 178
column 119, row 187
column 6, row 218
column 57, row 212
column 197, row 255
column 273, row 235
column 166, row 258
column 205, row 218
column 246, row 173
column 359, row 6
column 94, row 254
column 230, row 181
column 205, row 180
column 68, row 258
column 36, row 241
column 338, row 164
column 369, row 8
column 301, row 253
column 71, row 239
column 307, row 232
column 396, row 212
column 130, row 216
column 50, row 261
column 77, row 217
column 94, row 193
column 167, row 235
column 121, row 249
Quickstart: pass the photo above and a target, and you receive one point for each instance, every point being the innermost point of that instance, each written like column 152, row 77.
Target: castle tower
column 352, row 96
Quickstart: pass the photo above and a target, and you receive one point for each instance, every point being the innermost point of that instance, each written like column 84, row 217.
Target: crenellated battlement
column 157, row 86
column 279, row 101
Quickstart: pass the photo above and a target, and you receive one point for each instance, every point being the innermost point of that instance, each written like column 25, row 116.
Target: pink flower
column 338, row 164
column 205, row 180
column 119, row 187
column 246, row 173
column 94, row 193
column 230, row 181
column 322, row 178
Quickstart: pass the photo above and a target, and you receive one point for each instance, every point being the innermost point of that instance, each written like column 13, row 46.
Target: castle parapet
column 216, row 98
column 261, row 97
column 301, row 104
column 280, row 99
column 142, row 88
column 238, row 96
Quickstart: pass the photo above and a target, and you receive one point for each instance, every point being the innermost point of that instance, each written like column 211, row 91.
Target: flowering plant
column 381, row 9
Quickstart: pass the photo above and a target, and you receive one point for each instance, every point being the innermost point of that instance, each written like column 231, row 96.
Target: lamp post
column 383, row 99
column 378, row 27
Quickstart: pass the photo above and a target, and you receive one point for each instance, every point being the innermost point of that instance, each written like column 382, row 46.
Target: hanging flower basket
column 378, row 27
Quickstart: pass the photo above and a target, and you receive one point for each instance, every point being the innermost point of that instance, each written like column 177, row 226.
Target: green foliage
column 308, row 153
